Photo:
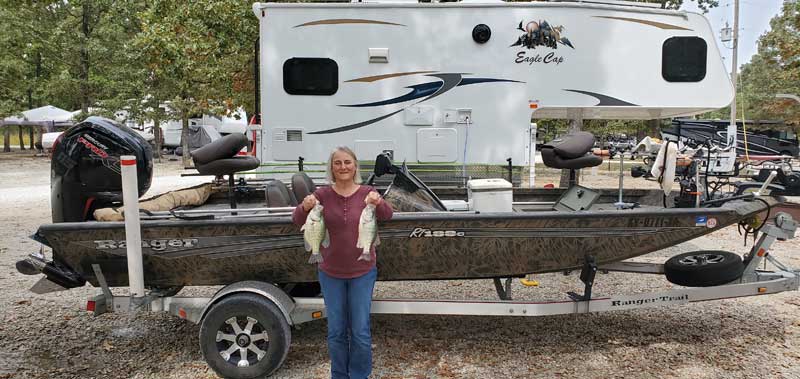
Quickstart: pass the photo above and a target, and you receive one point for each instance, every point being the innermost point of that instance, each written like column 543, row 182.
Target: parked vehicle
column 469, row 94
column 761, row 138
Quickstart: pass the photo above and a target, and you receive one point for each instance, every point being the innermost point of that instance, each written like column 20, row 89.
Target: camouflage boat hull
column 424, row 246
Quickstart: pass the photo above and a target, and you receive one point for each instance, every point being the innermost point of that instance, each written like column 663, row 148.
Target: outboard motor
column 85, row 171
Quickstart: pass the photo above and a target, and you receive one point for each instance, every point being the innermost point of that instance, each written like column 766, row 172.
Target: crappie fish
column 367, row 232
column 315, row 234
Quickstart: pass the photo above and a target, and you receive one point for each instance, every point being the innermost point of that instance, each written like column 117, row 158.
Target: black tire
column 268, row 319
column 704, row 268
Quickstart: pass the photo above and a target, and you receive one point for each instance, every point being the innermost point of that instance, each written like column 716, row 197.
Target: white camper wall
column 613, row 71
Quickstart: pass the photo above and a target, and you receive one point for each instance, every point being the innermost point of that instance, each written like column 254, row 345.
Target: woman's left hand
column 373, row 198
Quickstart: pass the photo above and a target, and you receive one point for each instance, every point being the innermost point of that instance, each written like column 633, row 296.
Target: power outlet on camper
column 458, row 116
column 463, row 115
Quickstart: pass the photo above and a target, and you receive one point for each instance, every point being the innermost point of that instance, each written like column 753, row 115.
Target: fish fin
column 303, row 227
column 358, row 243
column 315, row 258
column 327, row 241
column 365, row 256
column 308, row 246
column 377, row 240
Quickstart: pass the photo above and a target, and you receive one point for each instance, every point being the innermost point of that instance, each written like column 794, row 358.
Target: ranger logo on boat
column 155, row 245
column 426, row 233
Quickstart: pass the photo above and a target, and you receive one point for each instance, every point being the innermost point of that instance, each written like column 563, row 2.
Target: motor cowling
column 85, row 169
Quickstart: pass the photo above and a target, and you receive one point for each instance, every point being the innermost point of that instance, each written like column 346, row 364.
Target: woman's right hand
column 309, row 202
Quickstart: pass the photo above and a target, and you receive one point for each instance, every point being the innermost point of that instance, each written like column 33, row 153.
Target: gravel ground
column 50, row 336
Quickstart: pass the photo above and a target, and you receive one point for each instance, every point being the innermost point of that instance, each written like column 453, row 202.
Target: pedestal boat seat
column 219, row 158
column 572, row 152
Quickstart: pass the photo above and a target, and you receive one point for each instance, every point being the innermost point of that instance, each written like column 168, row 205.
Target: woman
column 346, row 282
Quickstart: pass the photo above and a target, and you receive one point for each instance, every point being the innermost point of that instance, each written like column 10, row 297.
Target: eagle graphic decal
column 541, row 34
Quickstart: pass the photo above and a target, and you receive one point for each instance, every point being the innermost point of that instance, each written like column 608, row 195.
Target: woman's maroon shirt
column 341, row 215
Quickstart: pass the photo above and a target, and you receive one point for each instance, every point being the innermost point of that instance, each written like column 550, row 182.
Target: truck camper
column 460, row 82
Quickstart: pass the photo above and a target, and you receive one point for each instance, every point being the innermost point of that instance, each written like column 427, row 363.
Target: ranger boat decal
column 426, row 91
column 155, row 245
column 427, row 233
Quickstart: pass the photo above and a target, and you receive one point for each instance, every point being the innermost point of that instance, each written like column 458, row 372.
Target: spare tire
column 704, row 268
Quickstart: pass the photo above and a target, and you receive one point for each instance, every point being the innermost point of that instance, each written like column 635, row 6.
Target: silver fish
column 315, row 234
column 367, row 232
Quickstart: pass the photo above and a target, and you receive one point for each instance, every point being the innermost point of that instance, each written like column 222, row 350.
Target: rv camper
column 460, row 82
column 753, row 137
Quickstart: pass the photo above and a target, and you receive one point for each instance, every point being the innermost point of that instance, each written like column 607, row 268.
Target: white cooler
column 489, row 195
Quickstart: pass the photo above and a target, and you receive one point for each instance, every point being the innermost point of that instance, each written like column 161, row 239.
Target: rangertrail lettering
column 659, row 299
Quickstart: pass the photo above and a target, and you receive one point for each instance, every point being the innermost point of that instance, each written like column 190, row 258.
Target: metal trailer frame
column 295, row 311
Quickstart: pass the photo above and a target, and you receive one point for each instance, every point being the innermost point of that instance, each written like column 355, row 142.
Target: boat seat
column 302, row 186
column 572, row 152
column 219, row 158
column 225, row 147
column 278, row 195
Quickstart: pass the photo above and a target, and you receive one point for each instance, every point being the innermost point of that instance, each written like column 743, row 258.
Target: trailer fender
column 269, row 291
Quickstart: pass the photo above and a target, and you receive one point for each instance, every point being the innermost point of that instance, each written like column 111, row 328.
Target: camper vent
column 294, row 136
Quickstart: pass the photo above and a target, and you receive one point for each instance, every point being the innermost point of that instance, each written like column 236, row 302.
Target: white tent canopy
column 45, row 116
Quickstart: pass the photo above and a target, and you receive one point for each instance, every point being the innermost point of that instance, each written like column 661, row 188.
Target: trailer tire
column 704, row 268
column 264, row 353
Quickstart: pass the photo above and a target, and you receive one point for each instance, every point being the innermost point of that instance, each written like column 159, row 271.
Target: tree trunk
column 575, row 125
column 83, row 75
column 654, row 127
column 6, row 139
column 157, row 137
column 30, row 135
column 185, row 140
column 21, row 139
column 39, row 132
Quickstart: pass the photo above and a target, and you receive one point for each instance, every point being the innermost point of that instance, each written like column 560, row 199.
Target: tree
column 774, row 69
column 194, row 60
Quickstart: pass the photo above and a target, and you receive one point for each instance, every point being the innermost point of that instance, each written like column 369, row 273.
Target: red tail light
column 90, row 306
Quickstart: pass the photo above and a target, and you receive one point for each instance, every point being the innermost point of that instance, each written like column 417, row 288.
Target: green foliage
column 774, row 69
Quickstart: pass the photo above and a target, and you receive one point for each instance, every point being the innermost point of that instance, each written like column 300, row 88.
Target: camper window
column 683, row 59
column 310, row 76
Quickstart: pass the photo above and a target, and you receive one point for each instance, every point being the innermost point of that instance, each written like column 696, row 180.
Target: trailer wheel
column 704, row 268
column 244, row 336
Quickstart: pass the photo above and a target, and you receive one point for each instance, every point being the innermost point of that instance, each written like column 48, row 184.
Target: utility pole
column 734, row 75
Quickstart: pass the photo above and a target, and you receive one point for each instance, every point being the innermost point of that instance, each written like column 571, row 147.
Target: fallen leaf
column 24, row 302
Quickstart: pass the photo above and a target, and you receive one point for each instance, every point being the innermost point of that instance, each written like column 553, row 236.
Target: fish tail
column 365, row 256
column 315, row 258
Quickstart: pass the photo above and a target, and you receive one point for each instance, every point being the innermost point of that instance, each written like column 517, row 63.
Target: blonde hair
column 329, row 172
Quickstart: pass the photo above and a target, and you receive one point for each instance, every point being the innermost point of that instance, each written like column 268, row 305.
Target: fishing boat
column 244, row 231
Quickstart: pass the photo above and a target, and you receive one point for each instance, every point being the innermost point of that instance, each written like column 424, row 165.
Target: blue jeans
column 347, row 302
